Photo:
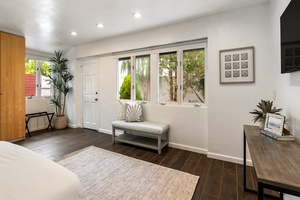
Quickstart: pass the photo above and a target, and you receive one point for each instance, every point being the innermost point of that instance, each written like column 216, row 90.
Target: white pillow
column 134, row 112
column 122, row 112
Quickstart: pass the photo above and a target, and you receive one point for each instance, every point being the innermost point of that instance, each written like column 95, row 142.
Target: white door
column 90, row 92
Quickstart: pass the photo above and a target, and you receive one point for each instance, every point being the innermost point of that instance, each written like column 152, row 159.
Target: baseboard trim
column 75, row 126
column 194, row 149
column 188, row 148
column 229, row 158
column 105, row 131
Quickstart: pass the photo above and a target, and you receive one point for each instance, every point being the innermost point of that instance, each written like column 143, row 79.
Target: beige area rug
column 106, row 175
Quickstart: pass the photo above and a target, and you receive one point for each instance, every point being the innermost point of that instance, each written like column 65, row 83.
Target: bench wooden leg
column 167, row 137
column 159, row 144
column 113, row 134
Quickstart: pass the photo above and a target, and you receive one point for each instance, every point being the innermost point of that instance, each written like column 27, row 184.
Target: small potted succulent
column 264, row 107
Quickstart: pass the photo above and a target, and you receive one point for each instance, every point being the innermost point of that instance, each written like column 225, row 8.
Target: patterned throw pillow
column 122, row 112
column 134, row 112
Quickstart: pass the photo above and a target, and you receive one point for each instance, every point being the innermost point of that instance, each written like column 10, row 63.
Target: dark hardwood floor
column 218, row 179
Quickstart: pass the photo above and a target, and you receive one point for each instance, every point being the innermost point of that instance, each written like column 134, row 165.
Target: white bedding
column 25, row 175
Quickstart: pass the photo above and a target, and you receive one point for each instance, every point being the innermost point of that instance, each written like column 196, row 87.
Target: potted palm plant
column 264, row 107
column 60, row 79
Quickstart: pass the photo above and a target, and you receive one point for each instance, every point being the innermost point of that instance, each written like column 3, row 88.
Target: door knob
column 96, row 99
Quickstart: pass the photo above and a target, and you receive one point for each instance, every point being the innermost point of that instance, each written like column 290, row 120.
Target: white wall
column 37, row 104
column 229, row 104
column 287, row 86
column 217, row 128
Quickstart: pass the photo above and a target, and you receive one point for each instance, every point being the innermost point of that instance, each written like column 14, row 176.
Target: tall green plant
column 59, row 79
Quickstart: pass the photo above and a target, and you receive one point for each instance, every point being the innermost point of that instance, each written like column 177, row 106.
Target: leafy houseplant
column 59, row 79
column 264, row 107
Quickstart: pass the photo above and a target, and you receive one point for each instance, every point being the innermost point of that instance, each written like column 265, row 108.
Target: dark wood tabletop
column 275, row 162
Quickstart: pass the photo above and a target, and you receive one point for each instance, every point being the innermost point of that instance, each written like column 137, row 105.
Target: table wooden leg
column 245, row 177
column 260, row 191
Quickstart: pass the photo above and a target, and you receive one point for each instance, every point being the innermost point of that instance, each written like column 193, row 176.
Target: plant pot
column 262, row 124
column 60, row 122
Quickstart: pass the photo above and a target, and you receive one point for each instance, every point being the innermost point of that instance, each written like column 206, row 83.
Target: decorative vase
column 60, row 122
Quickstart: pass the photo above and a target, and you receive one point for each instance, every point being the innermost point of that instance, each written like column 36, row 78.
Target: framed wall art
column 237, row 65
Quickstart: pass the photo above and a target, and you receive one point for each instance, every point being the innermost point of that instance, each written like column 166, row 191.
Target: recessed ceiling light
column 73, row 33
column 137, row 15
column 100, row 25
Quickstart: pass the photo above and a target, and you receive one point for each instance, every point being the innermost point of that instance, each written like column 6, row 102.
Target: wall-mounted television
column 290, row 37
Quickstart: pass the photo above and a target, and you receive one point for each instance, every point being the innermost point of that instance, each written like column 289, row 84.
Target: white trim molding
column 75, row 126
column 109, row 132
column 188, row 148
column 228, row 158
column 195, row 149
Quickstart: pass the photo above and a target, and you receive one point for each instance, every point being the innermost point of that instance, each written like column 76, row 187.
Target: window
column 36, row 77
column 140, row 80
column 124, row 66
column 168, row 77
column 178, row 71
column 193, row 76
column 30, row 77
column 142, row 77
column 192, row 81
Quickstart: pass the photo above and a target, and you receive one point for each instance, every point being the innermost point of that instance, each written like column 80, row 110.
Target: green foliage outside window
column 125, row 89
column 168, row 73
column 30, row 67
column 194, row 74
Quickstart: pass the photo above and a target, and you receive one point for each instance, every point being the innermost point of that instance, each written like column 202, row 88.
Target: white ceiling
column 47, row 24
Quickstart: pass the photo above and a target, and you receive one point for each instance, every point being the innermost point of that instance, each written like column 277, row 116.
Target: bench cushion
column 145, row 127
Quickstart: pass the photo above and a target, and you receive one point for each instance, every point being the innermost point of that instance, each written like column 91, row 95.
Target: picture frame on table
column 237, row 65
column 274, row 123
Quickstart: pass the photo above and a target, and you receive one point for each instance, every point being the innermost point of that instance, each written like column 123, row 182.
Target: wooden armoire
column 12, row 87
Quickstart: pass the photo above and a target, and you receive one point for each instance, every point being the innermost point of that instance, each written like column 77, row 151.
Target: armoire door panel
column 12, row 84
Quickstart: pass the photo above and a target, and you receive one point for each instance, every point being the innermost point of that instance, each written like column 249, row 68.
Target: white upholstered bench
column 151, row 135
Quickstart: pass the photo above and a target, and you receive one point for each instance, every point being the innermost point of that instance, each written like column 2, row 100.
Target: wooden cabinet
column 12, row 87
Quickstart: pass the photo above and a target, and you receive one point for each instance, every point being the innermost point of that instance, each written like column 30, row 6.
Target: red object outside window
column 30, row 87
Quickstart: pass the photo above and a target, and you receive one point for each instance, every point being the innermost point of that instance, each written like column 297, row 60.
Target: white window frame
column 181, row 75
column 179, row 50
column 133, row 59
column 163, row 51
column 118, row 73
column 154, row 68
column 38, row 75
column 132, row 74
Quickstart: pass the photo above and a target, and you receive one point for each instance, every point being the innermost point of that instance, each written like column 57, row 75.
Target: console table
column 38, row 114
column 276, row 163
